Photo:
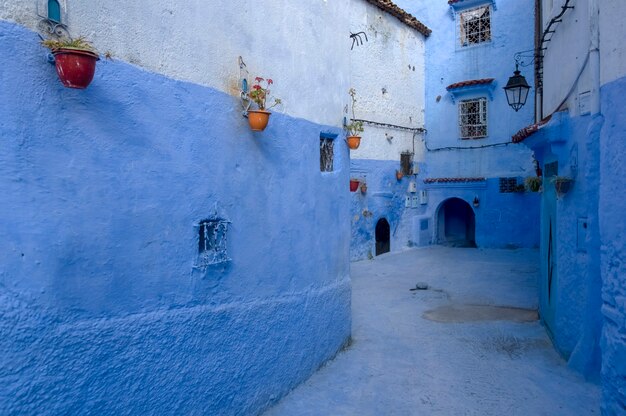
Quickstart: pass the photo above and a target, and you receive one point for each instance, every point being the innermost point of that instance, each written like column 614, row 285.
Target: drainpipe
column 594, row 55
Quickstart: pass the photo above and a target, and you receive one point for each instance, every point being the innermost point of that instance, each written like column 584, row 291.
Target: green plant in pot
column 533, row 183
column 75, row 60
column 355, row 127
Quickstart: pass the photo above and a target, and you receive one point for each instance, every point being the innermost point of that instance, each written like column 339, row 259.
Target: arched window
column 54, row 11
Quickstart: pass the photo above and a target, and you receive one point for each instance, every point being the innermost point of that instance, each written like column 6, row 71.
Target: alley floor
column 470, row 344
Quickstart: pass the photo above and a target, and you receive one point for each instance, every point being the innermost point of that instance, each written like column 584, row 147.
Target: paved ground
column 443, row 351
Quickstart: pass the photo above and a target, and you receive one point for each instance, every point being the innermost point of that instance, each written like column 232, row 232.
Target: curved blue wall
column 103, row 311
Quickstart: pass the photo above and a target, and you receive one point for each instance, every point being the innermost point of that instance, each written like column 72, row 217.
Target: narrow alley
column 470, row 344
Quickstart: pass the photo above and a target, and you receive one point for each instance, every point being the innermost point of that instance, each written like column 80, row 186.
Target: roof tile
column 469, row 83
column 406, row 18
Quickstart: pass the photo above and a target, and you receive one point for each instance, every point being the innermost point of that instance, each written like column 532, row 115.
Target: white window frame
column 463, row 36
column 472, row 124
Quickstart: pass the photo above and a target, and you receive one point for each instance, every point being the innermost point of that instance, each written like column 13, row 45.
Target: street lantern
column 517, row 90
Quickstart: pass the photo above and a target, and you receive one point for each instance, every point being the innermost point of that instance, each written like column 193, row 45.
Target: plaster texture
column 200, row 42
column 613, row 248
column 104, row 307
column 586, row 313
column 392, row 48
column 487, row 361
column 385, row 198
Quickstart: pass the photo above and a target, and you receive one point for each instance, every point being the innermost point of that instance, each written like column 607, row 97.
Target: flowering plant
column 260, row 92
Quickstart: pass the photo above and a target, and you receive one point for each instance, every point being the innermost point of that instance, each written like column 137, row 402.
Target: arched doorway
column 456, row 224
column 383, row 237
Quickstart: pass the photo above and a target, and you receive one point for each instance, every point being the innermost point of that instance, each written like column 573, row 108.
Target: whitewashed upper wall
column 303, row 45
column 565, row 58
column 612, row 36
column 391, row 61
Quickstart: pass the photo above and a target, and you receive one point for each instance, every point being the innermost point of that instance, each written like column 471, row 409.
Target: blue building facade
column 471, row 182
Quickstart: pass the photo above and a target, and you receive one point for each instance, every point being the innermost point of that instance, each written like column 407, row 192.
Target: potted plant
column 75, row 61
column 354, row 185
column 533, row 183
column 259, row 118
column 562, row 184
column 399, row 175
column 363, row 188
column 354, row 128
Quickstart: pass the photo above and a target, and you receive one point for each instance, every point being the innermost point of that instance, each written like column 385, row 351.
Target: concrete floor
column 469, row 345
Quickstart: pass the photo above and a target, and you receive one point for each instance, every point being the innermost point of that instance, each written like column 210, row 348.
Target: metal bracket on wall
column 244, row 87
column 51, row 23
column 356, row 39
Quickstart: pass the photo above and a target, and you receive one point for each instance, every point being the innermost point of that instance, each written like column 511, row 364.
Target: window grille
column 473, row 118
column 475, row 26
column 508, row 185
column 406, row 163
column 212, row 235
column 326, row 154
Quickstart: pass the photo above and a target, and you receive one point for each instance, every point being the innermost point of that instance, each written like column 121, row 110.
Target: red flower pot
column 75, row 67
column 354, row 185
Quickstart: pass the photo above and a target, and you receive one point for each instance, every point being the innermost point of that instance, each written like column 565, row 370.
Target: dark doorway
column 456, row 224
column 383, row 244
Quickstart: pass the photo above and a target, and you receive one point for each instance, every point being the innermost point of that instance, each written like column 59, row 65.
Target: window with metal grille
column 475, row 26
column 508, row 185
column 212, row 235
column 406, row 163
column 473, row 118
column 326, row 154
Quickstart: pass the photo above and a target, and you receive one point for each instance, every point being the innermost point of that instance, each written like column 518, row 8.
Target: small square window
column 475, row 26
column 473, row 118
column 508, row 185
column 406, row 163
column 212, row 235
column 326, row 154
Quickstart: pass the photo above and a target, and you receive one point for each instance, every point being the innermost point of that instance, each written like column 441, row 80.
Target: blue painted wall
column 502, row 220
column 571, row 311
column 613, row 245
column 103, row 311
column 385, row 198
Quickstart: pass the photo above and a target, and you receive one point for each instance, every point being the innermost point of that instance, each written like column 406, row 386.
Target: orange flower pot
column 258, row 119
column 399, row 175
column 354, row 142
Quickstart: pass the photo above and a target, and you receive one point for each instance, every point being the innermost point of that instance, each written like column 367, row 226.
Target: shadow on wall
column 456, row 224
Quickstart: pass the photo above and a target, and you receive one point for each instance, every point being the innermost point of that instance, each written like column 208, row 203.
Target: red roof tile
column 406, row 18
column 528, row 131
column 453, row 180
column 469, row 83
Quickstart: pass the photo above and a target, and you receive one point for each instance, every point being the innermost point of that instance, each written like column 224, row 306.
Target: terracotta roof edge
column 402, row 15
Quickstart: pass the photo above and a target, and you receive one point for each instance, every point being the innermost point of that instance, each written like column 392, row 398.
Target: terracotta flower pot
column 75, row 67
column 258, row 119
column 363, row 188
column 354, row 185
column 354, row 142
column 399, row 175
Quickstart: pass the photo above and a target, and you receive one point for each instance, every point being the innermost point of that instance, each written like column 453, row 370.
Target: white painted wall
column 393, row 60
column 612, row 35
column 303, row 45
column 570, row 45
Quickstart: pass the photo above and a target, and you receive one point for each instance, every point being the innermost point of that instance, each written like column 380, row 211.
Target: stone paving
column 470, row 344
